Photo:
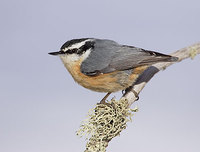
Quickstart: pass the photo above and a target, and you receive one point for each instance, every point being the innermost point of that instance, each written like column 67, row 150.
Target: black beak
column 55, row 53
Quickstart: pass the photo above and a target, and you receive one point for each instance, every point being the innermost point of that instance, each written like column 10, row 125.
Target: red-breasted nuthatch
column 106, row 66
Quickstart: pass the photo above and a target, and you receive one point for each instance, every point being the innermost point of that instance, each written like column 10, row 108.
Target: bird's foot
column 132, row 90
column 136, row 95
column 103, row 101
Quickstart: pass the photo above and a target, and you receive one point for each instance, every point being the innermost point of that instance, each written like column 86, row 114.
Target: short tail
column 166, row 58
column 173, row 59
column 154, row 57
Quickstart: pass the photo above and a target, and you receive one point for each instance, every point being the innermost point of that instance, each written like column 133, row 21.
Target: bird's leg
column 136, row 94
column 132, row 90
column 127, row 90
column 103, row 101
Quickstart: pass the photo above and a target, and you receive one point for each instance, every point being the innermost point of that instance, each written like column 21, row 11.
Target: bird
column 103, row 65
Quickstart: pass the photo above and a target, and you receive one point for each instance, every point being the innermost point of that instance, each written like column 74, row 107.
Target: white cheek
column 86, row 54
column 70, row 59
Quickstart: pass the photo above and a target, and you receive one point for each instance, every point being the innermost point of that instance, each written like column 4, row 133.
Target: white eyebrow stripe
column 77, row 45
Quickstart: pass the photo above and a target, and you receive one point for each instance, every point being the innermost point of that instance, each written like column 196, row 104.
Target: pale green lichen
column 104, row 123
column 193, row 52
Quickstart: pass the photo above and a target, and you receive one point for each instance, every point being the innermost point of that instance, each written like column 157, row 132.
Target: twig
column 187, row 52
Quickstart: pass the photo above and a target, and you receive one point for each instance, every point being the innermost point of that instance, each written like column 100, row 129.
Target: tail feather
column 174, row 59
column 155, row 57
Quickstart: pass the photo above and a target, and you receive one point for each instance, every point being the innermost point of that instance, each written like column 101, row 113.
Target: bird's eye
column 71, row 51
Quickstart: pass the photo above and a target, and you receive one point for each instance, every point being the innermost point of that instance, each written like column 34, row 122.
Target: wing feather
column 109, row 56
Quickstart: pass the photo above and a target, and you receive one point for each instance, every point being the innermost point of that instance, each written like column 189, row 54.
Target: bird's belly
column 109, row 82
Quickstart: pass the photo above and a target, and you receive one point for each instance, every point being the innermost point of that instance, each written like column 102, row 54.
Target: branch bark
column 187, row 52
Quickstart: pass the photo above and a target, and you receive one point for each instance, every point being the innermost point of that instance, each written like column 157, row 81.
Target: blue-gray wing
column 109, row 56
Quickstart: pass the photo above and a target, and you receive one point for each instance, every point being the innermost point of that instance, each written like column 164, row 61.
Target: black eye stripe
column 71, row 51
column 88, row 45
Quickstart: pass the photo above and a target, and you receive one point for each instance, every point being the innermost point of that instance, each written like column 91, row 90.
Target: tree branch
column 187, row 52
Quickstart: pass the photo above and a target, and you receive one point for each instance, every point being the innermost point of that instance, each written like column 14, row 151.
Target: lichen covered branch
column 105, row 122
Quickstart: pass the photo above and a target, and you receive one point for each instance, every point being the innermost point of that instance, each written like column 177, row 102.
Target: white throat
column 70, row 59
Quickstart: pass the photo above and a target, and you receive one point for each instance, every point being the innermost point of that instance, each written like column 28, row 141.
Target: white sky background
column 41, row 106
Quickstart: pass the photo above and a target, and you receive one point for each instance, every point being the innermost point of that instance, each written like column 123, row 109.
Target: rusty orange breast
column 109, row 82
